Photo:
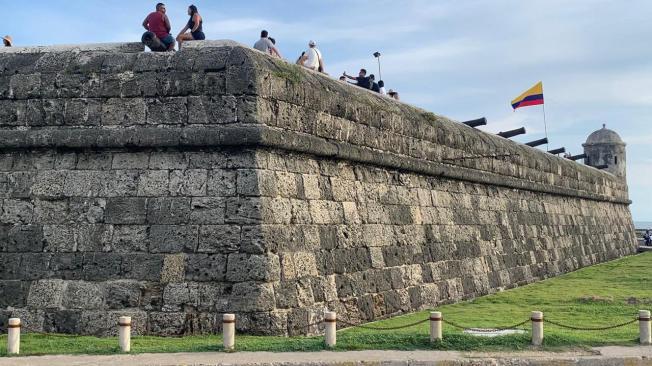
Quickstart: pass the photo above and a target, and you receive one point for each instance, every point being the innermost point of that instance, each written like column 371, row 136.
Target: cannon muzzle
column 476, row 122
column 536, row 143
column 561, row 150
column 577, row 157
column 512, row 133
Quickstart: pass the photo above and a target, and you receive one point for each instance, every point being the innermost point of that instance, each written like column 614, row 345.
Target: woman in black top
column 194, row 26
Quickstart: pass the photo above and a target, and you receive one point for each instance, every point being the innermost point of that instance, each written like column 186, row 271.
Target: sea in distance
column 642, row 225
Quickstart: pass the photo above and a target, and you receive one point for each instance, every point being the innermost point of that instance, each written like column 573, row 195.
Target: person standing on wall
column 194, row 25
column 158, row 23
column 8, row 42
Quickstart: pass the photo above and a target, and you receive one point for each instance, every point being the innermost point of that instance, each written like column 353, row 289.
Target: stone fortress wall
column 176, row 187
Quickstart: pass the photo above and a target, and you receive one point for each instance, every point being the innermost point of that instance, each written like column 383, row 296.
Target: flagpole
column 545, row 125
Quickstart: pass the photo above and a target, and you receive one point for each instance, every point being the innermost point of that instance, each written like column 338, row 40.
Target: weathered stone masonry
column 176, row 187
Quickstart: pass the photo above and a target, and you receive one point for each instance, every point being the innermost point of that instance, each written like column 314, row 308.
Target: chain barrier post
column 13, row 336
column 330, row 325
column 537, row 328
column 124, row 333
column 228, row 331
column 645, row 327
column 435, row 326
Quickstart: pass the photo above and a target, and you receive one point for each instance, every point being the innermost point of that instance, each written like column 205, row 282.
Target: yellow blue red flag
column 532, row 96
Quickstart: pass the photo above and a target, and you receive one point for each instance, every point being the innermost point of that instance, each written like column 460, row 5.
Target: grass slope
column 605, row 294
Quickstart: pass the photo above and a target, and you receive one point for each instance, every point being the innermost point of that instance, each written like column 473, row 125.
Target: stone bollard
column 124, row 333
column 537, row 328
column 228, row 331
column 13, row 336
column 330, row 325
column 645, row 327
column 435, row 326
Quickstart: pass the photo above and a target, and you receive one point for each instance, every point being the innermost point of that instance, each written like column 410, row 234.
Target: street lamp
column 377, row 56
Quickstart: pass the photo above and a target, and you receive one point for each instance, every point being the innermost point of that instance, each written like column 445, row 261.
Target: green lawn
column 606, row 294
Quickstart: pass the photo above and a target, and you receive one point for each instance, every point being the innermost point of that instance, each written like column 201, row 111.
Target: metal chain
column 591, row 328
column 485, row 330
column 383, row 328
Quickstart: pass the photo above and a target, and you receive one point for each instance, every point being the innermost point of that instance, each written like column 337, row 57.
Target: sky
column 463, row 59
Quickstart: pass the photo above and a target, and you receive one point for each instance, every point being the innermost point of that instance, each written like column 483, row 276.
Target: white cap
column 312, row 43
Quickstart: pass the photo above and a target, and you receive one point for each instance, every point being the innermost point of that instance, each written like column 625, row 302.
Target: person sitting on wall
column 8, row 42
column 312, row 58
column 373, row 84
column 393, row 94
column 194, row 25
column 381, row 88
column 264, row 44
column 647, row 238
column 362, row 79
column 158, row 23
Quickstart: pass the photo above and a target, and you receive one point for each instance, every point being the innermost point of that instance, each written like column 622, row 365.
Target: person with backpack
column 312, row 58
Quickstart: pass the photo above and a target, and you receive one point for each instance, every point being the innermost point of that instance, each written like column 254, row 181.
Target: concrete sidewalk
column 605, row 356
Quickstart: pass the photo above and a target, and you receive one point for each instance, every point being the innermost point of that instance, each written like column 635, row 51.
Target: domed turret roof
column 604, row 136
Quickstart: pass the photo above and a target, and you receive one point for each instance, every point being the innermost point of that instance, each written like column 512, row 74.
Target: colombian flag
column 532, row 96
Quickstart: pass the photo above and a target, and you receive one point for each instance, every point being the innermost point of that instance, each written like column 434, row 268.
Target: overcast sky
column 462, row 59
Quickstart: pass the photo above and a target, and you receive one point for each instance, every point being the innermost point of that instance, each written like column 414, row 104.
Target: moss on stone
column 291, row 73
column 430, row 116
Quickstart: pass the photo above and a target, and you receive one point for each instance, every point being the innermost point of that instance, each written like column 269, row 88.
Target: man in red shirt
column 159, row 24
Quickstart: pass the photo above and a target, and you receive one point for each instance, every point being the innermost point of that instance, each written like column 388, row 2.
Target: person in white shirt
column 312, row 58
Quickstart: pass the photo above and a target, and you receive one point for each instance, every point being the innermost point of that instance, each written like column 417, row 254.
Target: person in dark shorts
column 647, row 238
column 195, row 27
column 158, row 23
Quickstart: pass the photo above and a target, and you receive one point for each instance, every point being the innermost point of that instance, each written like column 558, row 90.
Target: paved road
column 605, row 356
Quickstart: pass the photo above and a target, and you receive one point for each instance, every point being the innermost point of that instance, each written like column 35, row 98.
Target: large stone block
column 247, row 267
column 219, row 239
column 171, row 210
column 126, row 210
column 46, row 294
column 205, row 267
column 83, row 295
column 173, row 239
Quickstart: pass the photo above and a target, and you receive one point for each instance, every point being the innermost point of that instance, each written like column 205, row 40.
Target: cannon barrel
column 512, row 133
column 561, row 150
column 476, row 122
column 536, row 143
column 577, row 157
column 603, row 166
